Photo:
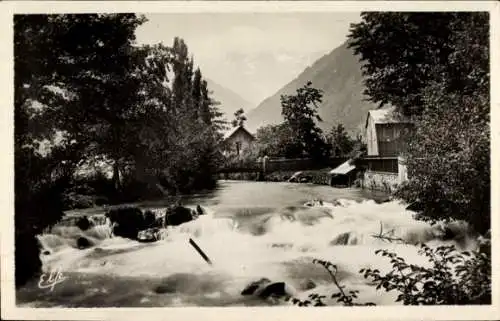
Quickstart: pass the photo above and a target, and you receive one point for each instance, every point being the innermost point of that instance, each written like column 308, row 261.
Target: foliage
column 434, row 67
column 239, row 118
column 450, row 277
column 453, row 278
column 403, row 52
column 450, row 177
column 84, row 89
column 341, row 296
column 340, row 141
column 301, row 112
column 277, row 141
column 53, row 56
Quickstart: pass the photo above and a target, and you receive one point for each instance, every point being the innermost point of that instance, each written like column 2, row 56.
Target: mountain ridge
column 229, row 100
column 338, row 74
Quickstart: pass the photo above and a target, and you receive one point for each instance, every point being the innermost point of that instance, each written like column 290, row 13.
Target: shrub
column 343, row 296
column 454, row 278
column 450, row 177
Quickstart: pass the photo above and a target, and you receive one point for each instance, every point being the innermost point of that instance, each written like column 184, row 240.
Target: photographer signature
column 50, row 280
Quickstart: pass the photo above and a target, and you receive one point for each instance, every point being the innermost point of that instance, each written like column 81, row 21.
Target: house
column 385, row 132
column 343, row 175
column 237, row 140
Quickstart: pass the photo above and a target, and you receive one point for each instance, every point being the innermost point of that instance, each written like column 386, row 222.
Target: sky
column 253, row 54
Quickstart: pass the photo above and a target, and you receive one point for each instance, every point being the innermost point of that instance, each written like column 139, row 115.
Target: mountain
column 228, row 99
column 339, row 75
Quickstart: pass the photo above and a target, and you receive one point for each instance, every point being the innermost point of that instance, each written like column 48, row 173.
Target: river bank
column 315, row 176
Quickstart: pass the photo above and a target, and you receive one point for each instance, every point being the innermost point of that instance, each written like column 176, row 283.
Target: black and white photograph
column 251, row 158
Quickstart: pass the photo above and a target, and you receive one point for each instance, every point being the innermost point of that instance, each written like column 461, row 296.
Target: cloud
column 251, row 54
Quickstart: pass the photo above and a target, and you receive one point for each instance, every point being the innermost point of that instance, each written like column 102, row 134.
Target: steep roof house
column 237, row 140
column 386, row 132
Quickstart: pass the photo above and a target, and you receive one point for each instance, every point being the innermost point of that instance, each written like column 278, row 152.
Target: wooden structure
column 386, row 132
column 237, row 141
column 344, row 175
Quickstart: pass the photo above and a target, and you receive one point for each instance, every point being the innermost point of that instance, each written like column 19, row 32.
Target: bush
column 450, row 177
column 454, row 278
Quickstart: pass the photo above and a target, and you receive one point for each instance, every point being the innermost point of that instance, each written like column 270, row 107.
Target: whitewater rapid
column 245, row 243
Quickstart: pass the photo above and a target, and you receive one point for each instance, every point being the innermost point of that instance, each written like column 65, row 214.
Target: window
column 238, row 148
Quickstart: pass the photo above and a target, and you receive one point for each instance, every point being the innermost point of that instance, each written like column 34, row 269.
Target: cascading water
column 276, row 238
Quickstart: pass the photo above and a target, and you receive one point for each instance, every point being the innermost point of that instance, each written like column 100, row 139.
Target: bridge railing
column 282, row 164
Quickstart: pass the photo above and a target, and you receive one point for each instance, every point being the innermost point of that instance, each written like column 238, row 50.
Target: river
column 252, row 230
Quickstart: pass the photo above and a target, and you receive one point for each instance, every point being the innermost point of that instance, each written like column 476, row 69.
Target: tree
column 239, row 118
column 404, row 52
column 300, row 112
column 342, row 144
column 277, row 141
column 434, row 67
column 63, row 64
column 192, row 132
column 87, row 91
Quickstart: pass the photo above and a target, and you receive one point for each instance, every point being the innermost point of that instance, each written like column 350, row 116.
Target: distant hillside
column 228, row 99
column 338, row 74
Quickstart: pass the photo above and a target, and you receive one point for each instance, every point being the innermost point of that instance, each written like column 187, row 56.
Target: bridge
column 379, row 172
column 280, row 164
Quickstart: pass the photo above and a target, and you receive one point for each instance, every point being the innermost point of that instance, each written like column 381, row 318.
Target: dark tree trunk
column 116, row 175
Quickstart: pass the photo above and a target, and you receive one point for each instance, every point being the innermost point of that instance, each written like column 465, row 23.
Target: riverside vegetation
column 86, row 92
column 122, row 88
column 434, row 67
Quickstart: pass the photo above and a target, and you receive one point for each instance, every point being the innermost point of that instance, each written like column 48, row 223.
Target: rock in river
column 178, row 215
column 265, row 288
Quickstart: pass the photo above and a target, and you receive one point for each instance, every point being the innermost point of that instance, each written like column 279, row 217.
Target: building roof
column 344, row 168
column 233, row 131
column 386, row 116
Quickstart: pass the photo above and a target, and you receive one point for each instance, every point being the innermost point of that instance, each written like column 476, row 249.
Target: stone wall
column 382, row 181
column 385, row 181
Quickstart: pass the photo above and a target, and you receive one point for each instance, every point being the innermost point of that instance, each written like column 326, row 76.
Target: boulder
column 384, row 200
column 178, row 215
column 314, row 203
column 276, row 289
column 149, row 219
column 83, row 243
column 295, row 177
column 308, row 285
column 305, row 179
column 199, row 210
column 149, row 235
column 126, row 221
column 83, row 223
column 254, row 286
column 265, row 288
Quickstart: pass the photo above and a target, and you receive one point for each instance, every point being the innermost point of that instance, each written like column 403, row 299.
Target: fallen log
column 197, row 248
